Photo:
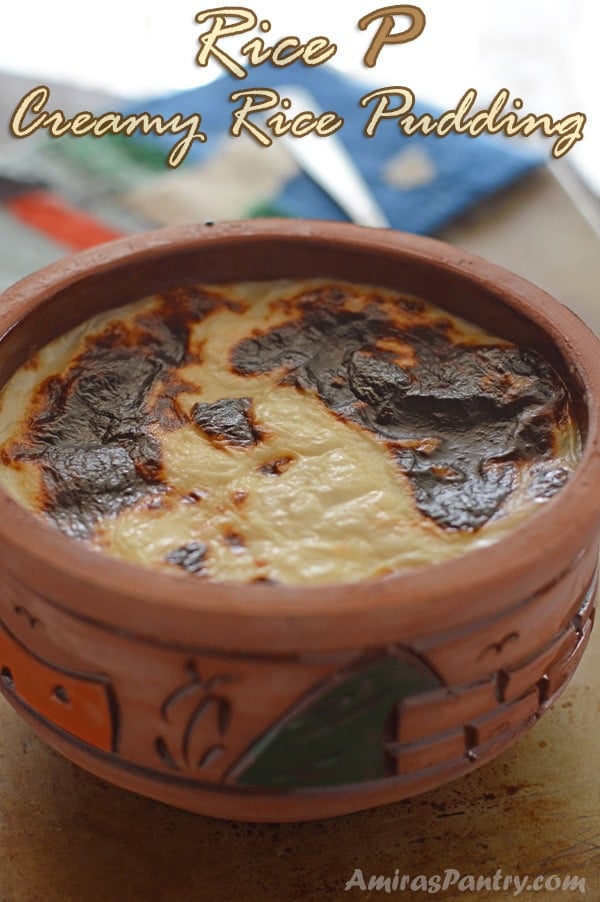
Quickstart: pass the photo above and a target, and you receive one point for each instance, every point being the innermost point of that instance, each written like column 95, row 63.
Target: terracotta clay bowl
column 437, row 670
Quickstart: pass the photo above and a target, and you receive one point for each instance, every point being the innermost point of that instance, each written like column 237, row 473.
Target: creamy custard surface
column 295, row 432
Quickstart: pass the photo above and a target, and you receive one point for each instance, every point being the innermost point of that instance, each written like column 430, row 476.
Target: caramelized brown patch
column 235, row 542
column 276, row 467
column 193, row 497
column 229, row 421
column 90, row 428
column 459, row 418
column 190, row 557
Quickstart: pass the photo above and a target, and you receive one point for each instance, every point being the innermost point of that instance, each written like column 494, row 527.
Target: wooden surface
column 66, row 836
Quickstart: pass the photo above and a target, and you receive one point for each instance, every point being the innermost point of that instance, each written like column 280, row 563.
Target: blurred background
column 504, row 199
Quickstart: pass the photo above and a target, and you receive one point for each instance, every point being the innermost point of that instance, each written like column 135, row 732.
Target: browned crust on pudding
column 461, row 417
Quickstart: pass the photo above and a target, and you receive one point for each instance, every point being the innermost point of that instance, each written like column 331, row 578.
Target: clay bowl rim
column 398, row 606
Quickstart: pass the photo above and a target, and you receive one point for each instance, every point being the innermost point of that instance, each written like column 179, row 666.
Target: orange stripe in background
column 48, row 214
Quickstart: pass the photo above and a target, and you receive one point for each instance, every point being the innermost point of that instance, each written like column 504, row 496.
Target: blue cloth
column 465, row 169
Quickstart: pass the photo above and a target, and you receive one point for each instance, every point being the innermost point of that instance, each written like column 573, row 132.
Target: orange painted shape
column 77, row 704
column 48, row 214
